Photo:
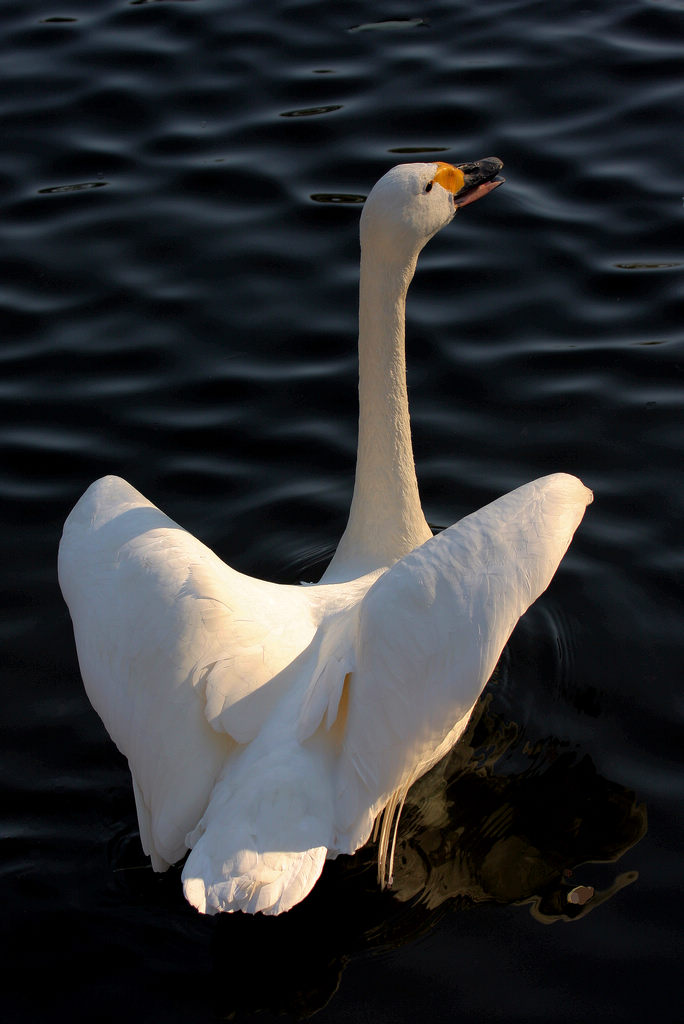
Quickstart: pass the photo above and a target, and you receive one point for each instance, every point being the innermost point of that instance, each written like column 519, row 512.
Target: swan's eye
column 428, row 187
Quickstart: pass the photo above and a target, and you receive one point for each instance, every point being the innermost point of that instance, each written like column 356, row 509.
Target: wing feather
column 175, row 649
column 431, row 631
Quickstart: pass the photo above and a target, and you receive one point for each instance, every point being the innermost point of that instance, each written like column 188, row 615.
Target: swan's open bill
column 266, row 726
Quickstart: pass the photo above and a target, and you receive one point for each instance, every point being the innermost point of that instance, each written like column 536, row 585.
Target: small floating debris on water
column 312, row 111
column 648, row 266
column 418, row 149
column 72, row 188
column 337, row 197
column 138, row 3
column 390, row 25
column 580, row 895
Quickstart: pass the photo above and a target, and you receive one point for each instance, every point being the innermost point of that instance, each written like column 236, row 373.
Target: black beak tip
column 481, row 170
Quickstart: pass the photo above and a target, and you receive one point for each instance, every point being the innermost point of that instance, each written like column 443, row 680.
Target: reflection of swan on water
column 266, row 726
column 474, row 832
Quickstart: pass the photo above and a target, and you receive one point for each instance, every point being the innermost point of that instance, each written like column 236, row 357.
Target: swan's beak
column 479, row 178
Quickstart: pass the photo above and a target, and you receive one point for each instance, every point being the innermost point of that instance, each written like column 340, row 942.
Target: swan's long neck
column 385, row 520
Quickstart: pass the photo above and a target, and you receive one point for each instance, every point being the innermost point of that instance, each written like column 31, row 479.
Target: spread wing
column 180, row 654
column 429, row 634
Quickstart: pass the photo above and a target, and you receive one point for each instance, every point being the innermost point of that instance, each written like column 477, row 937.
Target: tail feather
column 261, row 844
column 268, row 882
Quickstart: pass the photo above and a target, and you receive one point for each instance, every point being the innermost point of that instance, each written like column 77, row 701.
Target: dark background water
column 179, row 197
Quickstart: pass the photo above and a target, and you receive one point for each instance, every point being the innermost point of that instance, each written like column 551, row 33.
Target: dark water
column 179, row 197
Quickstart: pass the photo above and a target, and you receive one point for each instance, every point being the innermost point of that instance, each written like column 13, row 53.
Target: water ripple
column 180, row 188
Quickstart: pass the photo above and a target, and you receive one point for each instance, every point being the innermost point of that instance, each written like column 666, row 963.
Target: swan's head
column 413, row 201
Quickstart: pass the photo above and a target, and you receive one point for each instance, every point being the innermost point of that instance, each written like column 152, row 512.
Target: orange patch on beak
column 449, row 177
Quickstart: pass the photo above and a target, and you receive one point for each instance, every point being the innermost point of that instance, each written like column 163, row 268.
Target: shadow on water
column 472, row 831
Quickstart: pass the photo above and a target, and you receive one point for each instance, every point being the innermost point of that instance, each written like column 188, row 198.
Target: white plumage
column 267, row 726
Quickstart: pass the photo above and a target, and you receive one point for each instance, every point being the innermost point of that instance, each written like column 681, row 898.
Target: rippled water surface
column 180, row 186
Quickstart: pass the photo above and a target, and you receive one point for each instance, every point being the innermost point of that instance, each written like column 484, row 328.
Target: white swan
column 266, row 726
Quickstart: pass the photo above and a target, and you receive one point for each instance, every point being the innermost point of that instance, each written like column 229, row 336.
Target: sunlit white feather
column 267, row 726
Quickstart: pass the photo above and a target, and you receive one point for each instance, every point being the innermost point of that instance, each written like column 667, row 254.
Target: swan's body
column 267, row 726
